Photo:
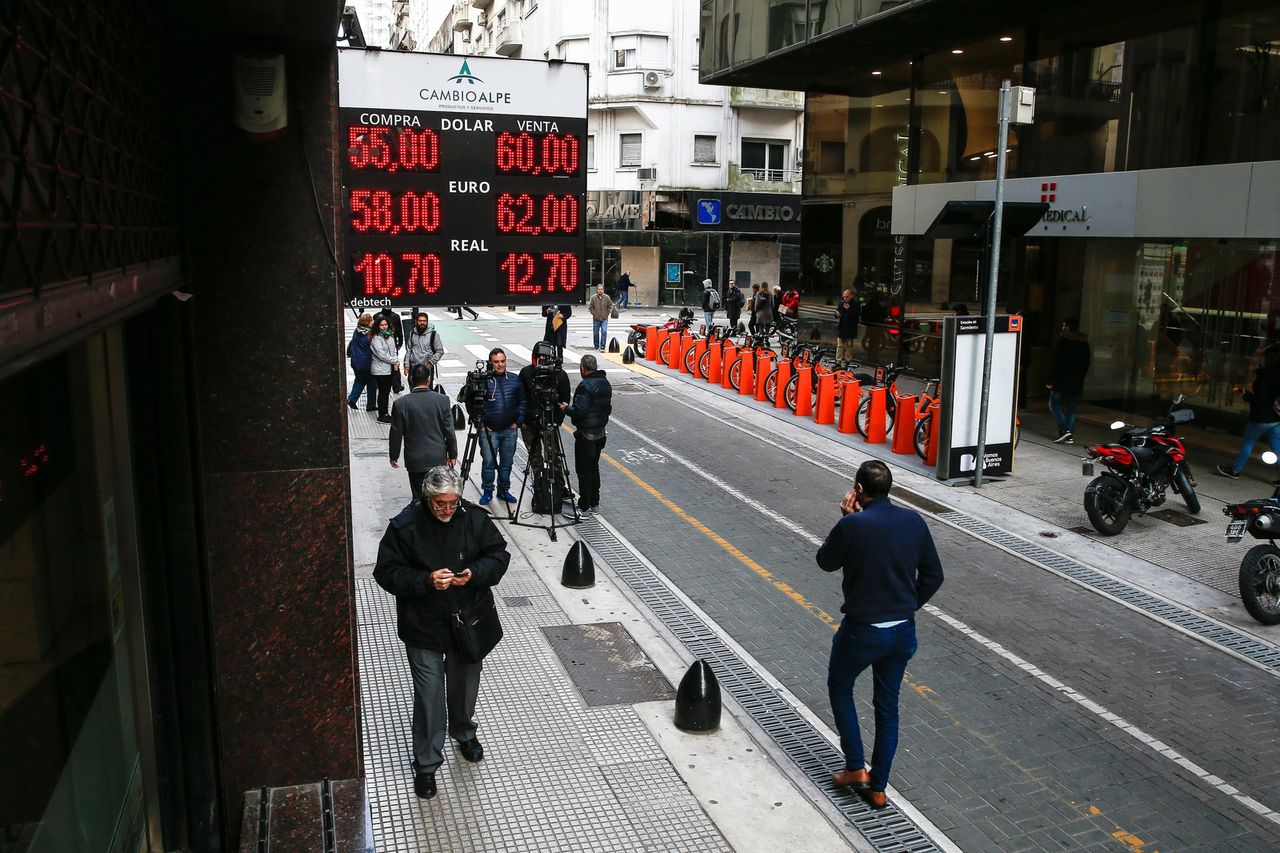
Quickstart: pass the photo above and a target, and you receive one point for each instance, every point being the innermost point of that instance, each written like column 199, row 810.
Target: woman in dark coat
column 361, row 355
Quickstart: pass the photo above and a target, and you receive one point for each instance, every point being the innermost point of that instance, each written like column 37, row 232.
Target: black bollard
column 459, row 419
column 698, row 699
column 613, row 345
column 628, row 356
column 579, row 569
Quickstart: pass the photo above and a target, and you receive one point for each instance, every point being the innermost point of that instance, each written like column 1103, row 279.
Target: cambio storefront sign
column 771, row 213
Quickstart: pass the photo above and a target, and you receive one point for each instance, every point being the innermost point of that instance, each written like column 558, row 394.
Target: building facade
column 1155, row 144
column 656, row 135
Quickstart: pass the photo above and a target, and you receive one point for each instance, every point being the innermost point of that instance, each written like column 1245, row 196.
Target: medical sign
column 463, row 179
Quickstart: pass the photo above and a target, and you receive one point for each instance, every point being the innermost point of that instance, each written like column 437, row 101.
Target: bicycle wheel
column 790, row 392
column 864, row 416
column 689, row 358
column 664, row 351
column 771, row 386
column 735, row 373
column 704, row 364
column 921, row 437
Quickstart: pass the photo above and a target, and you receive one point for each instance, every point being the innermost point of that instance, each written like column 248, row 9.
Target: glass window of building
column 704, row 148
column 1244, row 96
column 591, row 152
column 629, row 150
column 625, row 51
column 765, row 159
column 828, row 15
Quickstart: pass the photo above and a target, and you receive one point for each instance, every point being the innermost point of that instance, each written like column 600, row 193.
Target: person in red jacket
column 791, row 304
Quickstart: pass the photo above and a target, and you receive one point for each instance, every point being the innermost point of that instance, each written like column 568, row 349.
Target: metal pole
column 993, row 276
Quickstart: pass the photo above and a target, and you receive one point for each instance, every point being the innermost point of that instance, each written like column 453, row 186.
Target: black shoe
column 472, row 750
column 384, row 419
column 351, row 405
column 424, row 785
column 1225, row 471
column 1064, row 438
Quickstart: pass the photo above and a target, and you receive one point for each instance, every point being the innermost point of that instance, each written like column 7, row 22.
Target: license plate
column 1086, row 467
column 1235, row 530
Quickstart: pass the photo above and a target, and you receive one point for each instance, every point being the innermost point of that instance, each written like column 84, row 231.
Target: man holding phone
column 891, row 568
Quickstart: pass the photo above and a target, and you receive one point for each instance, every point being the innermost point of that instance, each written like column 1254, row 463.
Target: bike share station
column 464, row 182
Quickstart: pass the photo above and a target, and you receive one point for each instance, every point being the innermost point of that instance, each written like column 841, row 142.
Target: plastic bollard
column 714, row 354
column 613, row 345
column 686, row 344
column 850, row 397
column 904, row 425
column 673, row 351
column 650, row 351
column 764, row 366
column 747, row 373
column 876, row 416
column 628, row 355
column 698, row 699
column 579, row 571
column 730, row 356
column 699, row 347
column 804, row 391
column 826, row 411
column 780, row 384
column 935, row 426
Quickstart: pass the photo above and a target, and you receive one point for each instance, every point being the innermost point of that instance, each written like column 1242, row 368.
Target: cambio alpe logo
column 464, row 74
column 459, row 94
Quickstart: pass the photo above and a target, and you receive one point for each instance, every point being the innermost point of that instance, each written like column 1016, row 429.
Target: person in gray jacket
column 422, row 345
column 385, row 362
column 423, row 421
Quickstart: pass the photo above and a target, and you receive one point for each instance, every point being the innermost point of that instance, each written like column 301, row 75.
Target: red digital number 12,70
column 525, row 273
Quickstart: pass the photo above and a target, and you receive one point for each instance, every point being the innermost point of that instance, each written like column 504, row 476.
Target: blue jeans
column 1063, row 407
column 886, row 651
column 709, row 317
column 622, row 297
column 504, row 442
column 600, row 333
column 1254, row 431
column 363, row 381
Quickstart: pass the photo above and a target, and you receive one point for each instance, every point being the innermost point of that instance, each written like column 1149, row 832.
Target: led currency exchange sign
column 463, row 180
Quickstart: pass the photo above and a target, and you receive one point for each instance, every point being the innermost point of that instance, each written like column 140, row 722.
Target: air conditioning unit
column 653, row 79
column 650, row 174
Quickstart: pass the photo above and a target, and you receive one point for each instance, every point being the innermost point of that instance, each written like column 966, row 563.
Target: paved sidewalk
column 561, row 771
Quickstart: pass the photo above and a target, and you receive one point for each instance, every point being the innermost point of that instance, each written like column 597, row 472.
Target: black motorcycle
column 1140, row 468
column 1260, row 568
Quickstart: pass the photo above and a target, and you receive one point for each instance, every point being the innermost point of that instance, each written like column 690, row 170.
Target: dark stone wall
column 272, row 427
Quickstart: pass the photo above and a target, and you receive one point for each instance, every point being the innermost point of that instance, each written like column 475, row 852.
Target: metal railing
column 776, row 175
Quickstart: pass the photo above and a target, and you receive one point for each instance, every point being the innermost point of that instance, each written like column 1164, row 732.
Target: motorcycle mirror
column 1179, row 399
column 1270, row 457
column 1117, row 424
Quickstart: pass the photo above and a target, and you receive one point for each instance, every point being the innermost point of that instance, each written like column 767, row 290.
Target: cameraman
column 502, row 412
column 592, row 405
column 544, row 377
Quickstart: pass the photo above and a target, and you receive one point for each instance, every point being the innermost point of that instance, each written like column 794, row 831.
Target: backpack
column 548, row 492
column 715, row 299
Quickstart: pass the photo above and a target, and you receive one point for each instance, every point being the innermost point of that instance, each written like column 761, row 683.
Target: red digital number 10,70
column 379, row 275
column 546, row 273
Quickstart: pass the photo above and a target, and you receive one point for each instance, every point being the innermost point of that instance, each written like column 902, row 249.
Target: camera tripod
column 547, row 437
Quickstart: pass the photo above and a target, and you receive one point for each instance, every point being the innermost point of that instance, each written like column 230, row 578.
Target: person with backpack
column 734, row 299
column 360, row 352
column 710, row 303
column 1264, row 414
column 423, row 345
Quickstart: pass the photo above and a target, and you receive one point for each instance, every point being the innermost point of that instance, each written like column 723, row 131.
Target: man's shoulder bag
column 476, row 629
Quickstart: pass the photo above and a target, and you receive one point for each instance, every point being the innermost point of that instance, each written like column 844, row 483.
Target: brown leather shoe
column 858, row 780
column 876, row 799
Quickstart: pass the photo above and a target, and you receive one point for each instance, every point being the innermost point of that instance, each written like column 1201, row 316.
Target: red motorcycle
column 1140, row 468
column 639, row 331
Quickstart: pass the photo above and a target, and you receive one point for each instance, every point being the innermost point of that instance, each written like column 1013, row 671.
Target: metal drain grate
column 1206, row 629
column 887, row 830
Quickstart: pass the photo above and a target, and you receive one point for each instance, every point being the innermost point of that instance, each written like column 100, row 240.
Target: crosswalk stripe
column 449, row 362
column 571, row 357
column 480, row 352
column 519, row 351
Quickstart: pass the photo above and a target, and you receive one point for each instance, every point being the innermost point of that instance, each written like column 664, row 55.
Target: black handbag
column 476, row 629
column 397, row 384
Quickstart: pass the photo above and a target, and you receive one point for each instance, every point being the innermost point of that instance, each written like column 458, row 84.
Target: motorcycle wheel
column 1182, row 482
column 1104, row 503
column 634, row 337
column 689, row 361
column 1260, row 583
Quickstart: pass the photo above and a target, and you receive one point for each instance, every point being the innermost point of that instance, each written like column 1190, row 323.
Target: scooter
column 1260, row 568
column 1140, row 468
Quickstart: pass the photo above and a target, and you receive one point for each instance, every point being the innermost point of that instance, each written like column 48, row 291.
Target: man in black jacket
column 1264, row 420
column 848, row 313
column 592, row 405
column 437, row 556
column 1067, row 368
column 534, row 429
column 891, row 568
column 424, row 422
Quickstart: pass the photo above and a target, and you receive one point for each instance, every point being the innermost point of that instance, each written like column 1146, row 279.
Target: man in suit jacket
column 424, row 422
column 891, row 569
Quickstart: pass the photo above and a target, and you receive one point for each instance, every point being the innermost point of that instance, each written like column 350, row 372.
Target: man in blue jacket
column 891, row 569
column 504, row 406
column 592, row 405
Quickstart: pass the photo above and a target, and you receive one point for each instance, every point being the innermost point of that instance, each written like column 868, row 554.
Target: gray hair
column 441, row 480
column 589, row 363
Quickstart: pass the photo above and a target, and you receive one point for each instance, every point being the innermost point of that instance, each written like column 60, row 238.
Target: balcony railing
column 508, row 40
column 774, row 175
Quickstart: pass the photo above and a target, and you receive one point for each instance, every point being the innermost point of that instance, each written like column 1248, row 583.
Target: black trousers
column 415, row 483
column 384, row 394
column 586, row 458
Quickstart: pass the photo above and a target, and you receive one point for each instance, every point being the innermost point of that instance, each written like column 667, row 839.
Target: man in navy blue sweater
column 891, row 569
